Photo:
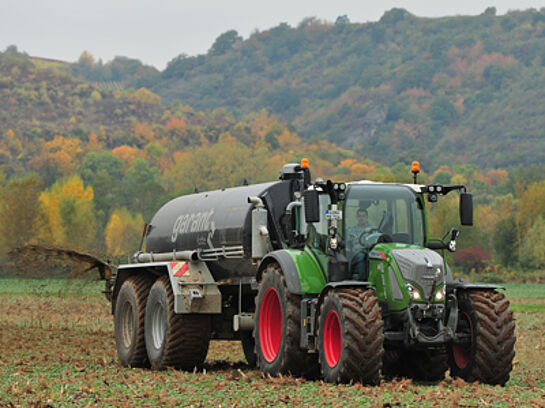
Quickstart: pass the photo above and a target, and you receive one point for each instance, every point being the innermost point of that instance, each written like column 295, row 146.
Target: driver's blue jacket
column 353, row 236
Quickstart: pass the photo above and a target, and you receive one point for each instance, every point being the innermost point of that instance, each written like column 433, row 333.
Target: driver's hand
column 367, row 229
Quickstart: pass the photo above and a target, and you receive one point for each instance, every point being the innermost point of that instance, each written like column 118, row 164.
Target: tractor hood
column 423, row 267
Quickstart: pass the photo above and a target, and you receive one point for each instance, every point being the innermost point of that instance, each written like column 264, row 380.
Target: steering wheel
column 365, row 234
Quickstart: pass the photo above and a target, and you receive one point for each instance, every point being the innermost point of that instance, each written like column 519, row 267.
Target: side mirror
column 312, row 206
column 466, row 209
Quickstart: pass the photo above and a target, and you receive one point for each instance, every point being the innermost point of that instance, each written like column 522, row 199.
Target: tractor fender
column 457, row 286
column 343, row 284
column 288, row 267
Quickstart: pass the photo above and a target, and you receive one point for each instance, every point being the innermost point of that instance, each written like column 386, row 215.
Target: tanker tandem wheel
column 173, row 340
column 129, row 317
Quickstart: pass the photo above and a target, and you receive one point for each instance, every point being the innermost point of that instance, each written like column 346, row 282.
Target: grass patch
column 524, row 290
column 527, row 308
column 51, row 287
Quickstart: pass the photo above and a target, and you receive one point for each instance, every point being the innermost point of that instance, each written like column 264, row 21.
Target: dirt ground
column 60, row 351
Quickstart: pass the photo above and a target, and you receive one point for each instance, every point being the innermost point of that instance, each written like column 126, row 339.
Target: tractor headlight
column 413, row 292
column 440, row 294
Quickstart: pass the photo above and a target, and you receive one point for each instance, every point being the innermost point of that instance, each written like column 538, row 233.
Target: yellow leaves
column 11, row 144
column 123, row 232
column 93, row 143
column 531, row 206
column 128, row 154
column 95, row 96
column 288, row 140
column 361, row 171
column 178, row 126
column 18, row 212
column 68, row 214
column 61, row 153
column 224, row 164
column 86, row 58
column 146, row 96
column 497, row 176
column 143, row 133
column 358, row 171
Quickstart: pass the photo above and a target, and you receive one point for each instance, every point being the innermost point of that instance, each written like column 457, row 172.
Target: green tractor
column 376, row 294
column 323, row 279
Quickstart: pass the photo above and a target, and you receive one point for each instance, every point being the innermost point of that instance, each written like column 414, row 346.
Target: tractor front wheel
column 351, row 336
column 484, row 348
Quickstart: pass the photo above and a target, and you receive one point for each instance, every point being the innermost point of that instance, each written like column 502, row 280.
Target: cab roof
column 415, row 187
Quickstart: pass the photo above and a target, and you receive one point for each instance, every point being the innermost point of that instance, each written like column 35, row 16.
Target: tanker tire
column 173, row 340
column 248, row 346
column 422, row 365
column 129, row 316
column 278, row 316
column 489, row 358
column 351, row 338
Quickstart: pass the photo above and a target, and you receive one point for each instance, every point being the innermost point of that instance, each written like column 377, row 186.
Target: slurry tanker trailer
column 328, row 279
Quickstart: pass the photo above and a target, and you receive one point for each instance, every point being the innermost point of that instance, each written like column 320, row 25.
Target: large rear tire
column 487, row 322
column 129, row 316
column 173, row 340
column 278, row 327
column 351, row 336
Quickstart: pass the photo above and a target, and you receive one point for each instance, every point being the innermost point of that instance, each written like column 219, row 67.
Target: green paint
column 308, row 267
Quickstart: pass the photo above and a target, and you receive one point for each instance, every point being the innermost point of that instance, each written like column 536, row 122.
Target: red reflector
column 179, row 268
column 382, row 255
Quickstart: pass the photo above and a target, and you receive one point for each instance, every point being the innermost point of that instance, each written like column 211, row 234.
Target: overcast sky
column 157, row 31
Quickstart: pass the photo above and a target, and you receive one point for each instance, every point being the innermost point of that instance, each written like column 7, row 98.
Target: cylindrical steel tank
column 216, row 219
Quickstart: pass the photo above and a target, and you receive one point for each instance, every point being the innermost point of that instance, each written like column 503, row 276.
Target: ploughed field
column 57, row 348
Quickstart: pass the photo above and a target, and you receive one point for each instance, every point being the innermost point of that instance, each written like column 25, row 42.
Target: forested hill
column 455, row 89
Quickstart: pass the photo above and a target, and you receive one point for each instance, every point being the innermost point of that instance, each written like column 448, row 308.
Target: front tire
column 487, row 322
column 173, row 340
column 278, row 327
column 129, row 317
column 351, row 336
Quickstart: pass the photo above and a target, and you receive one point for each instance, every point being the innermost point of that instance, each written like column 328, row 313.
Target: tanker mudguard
column 194, row 288
column 288, row 267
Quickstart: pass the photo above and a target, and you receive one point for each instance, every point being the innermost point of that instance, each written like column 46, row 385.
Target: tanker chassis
column 317, row 278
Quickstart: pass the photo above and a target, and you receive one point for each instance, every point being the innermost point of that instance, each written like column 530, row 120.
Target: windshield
column 390, row 211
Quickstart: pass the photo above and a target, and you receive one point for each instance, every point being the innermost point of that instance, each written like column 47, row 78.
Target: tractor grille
column 421, row 266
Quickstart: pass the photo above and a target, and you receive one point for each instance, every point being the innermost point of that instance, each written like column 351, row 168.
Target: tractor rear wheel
column 351, row 336
column 278, row 327
column 486, row 323
column 129, row 315
column 173, row 340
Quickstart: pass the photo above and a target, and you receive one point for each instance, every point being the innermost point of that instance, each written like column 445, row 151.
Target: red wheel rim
column 270, row 325
column 332, row 338
column 462, row 355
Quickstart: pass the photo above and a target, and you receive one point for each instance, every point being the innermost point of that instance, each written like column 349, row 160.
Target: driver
column 363, row 227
